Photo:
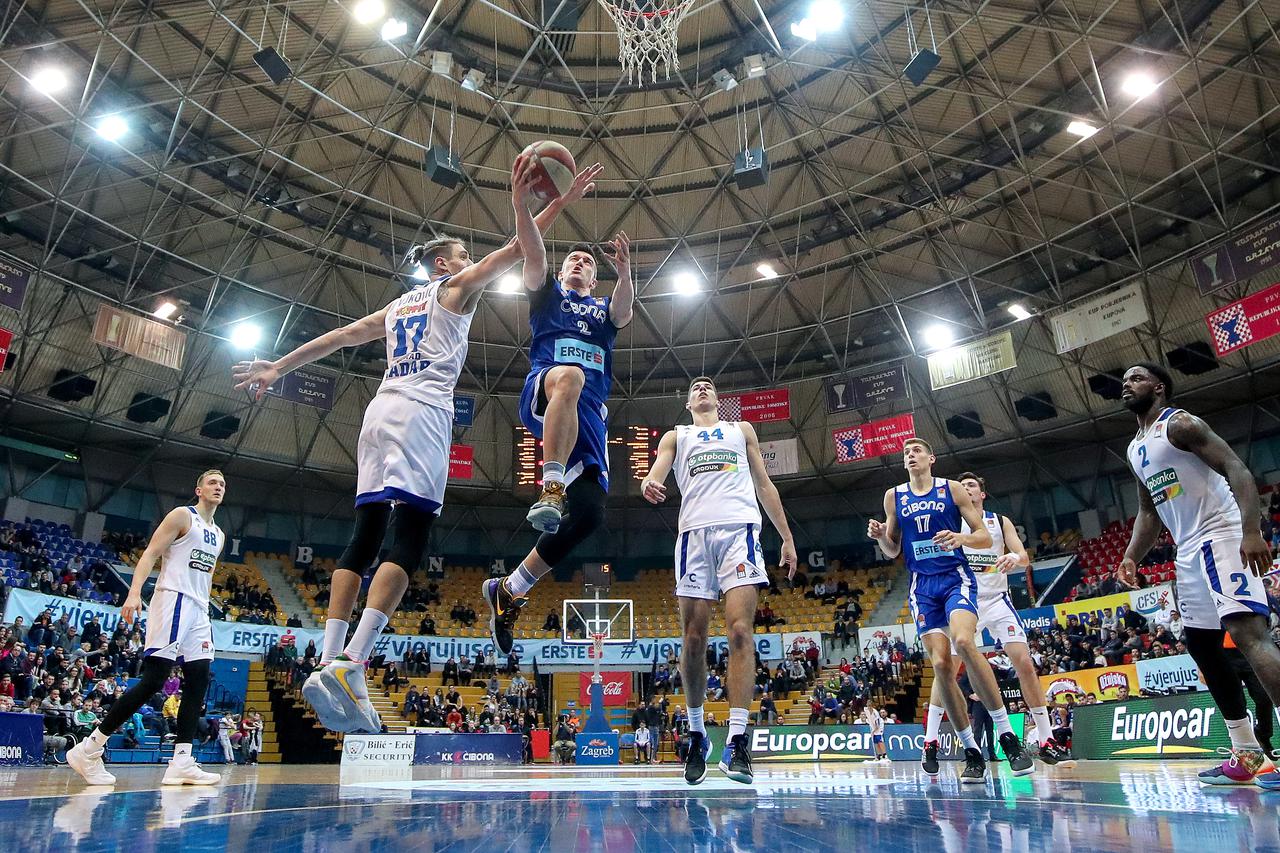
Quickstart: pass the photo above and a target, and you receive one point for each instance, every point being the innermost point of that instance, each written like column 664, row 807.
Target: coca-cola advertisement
column 617, row 688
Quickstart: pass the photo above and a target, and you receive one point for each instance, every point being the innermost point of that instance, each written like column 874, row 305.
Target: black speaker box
column 965, row 425
column 273, row 64
column 70, row 387
column 920, row 65
column 1036, row 407
column 443, row 167
column 750, row 168
column 1195, row 358
column 220, row 425
column 146, row 409
column 1106, row 385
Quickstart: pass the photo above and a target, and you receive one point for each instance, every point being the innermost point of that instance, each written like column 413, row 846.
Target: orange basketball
column 555, row 169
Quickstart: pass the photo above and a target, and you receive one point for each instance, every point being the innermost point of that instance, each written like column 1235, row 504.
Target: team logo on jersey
column 942, row 491
column 742, row 570
column 904, row 500
column 202, row 561
column 1012, row 630
column 712, row 461
column 1164, row 486
column 596, row 312
column 573, row 351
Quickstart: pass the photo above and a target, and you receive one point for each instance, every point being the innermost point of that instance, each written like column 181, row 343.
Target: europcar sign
column 903, row 741
column 1184, row 724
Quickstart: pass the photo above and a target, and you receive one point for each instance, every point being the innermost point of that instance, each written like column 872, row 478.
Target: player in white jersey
column 402, row 457
column 1192, row 482
column 998, row 616
column 875, row 722
column 187, row 544
column 723, row 483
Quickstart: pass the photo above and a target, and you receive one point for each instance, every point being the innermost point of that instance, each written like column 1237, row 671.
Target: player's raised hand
column 1127, row 573
column 788, row 558
column 948, row 539
column 583, row 183
column 524, row 175
column 1255, row 553
column 1006, row 564
column 132, row 608
column 255, row 376
column 619, row 254
column 875, row 529
column 653, row 491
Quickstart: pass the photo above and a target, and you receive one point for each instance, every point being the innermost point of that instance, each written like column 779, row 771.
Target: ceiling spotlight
column 112, row 128
column 754, row 66
column 1139, row 84
column 805, row 29
column 1018, row 311
column 421, row 273
column 939, row 336
column 473, row 80
column 827, row 15
column 687, row 284
column 509, row 283
column 245, row 335
column 442, row 63
column 369, row 11
column 49, row 80
column 1081, row 129
column 394, row 28
column 165, row 310
column 726, row 81
column 766, row 271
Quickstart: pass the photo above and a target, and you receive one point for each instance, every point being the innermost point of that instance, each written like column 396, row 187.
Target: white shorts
column 998, row 616
column 403, row 453
column 1212, row 582
column 710, row 561
column 178, row 628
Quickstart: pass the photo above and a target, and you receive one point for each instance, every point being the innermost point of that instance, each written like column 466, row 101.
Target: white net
column 648, row 36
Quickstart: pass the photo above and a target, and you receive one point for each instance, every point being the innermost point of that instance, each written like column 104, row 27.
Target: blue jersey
column 572, row 329
column 920, row 517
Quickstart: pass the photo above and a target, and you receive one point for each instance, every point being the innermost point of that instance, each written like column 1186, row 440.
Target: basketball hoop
column 648, row 31
column 597, row 647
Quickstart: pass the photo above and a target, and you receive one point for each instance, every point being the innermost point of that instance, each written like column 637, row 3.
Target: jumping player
column 923, row 523
column 403, row 451
column 571, row 364
column 996, row 613
column 1190, row 480
column 723, row 483
column 187, row 544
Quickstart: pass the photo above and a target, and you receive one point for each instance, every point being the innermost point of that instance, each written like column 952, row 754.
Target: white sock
column 1242, row 736
column 967, row 738
column 335, row 635
column 697, row 720
column 181, row 750
column 933, row 725
column 1044, row 729
column 737, row 722
column 371, row 624
column 553, row 472
column 1001, row 719
column 98, row 739
column 521, row 581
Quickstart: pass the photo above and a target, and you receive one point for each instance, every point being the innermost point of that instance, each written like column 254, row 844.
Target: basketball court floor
column 1098, row 806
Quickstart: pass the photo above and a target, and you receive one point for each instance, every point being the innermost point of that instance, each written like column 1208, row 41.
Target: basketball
column 556, row 169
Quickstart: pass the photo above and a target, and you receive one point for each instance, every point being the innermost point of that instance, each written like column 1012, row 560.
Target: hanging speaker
column 146, row 409
column 70, row 386
column 273, row 64
column 920, row 65
column 220, row 425
column 1036, row 407
column 751, row 168
column 965, row 425
column 1106, row 385
column 443, row 167
column 1193, row 359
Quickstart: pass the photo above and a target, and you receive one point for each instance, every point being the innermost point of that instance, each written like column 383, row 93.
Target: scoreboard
column 631, row 449
column 640, row 443
column 527, row 463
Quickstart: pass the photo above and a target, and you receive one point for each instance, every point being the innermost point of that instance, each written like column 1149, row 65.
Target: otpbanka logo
column 1164, row 486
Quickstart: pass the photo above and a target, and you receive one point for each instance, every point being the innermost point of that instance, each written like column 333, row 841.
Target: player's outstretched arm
column 175, row 525
column 623, row 299
column 532, row 246
column 886, row 532
column 652, row 487
column 1189, row 433
column 258, row 375
column 1146, row 528
column 770, row 500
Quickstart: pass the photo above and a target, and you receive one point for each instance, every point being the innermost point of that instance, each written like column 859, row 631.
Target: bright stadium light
column 1138, row 84
column 939, row 336
column 509, row 283
column 1018, row 311
column 827, row 15
column 369, row 11
column 245, row 335
column 1081, row 129
column 112, row 128
column 394, row 28
column 421, row 273
column 766, row 271
column 165, row 310
column 805, row 29
column 49, row 80
column 687, row 284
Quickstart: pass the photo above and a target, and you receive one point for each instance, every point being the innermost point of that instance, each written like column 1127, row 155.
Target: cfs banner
column 878, row 438
column 14, row 279
column 887, row 384
column 617, row 688
column 378, row 750
column 971, row 361
column 1188, row 724
column 461, row 459
column 1247, row 321
column 1155, row 602
column 756, row 406
column 1099, row 318
column 1173, row 674
column 1104, row 682
column 781, row 456
column 1239, row 258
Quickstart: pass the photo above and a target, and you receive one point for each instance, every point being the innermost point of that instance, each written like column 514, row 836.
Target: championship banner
column 1099, row 318
column 781, row 456
column 306, row 387
column 975, row 360
column 461, row 458
column 1239, row 258
column 1188, row 724
column 1173, row 674
column 1091, row 606
column 6, row 339
column 14, row 279
column 617, row 688
column 1104, row 682
column 1247, row 321
column 756, row 406
column 153, row 340
column 877, row 438
column 464, row 410
column 863, row 390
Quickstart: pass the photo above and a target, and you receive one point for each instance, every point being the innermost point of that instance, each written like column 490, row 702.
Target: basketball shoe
column 1268, row 781
column 184, row 771
column 1053, row 754
column 1019, row 759
column 86, row 760
column 695, row 762
column 1240, row 767
column 929, row 758
column 504, row 610
column 547, row 511
column 975, row 769
column 344, row 685
column 329, row 711
column 735, row 760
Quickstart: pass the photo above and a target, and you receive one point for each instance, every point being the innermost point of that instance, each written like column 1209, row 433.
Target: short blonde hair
column 200, row 480
column 919, row 441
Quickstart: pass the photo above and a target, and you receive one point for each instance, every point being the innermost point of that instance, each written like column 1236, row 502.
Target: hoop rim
column 656, row 13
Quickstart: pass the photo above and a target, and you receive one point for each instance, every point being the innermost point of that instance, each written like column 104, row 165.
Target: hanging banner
column 14, row 279
column 306, row 387
column 1099, row 318
column 1239, row 258
column 780, row 457
column 461, row 458
column 877, row 438
column 882, row 385
column 756, row 406
column 153, row 340
column 971, row 361
column 1104, row 682
column 1247, row 321
column 6, row 340
column 464, row 410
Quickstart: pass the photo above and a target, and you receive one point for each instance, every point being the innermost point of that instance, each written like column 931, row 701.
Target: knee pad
column 584, row 500
column 366, row 539
column 410, row 528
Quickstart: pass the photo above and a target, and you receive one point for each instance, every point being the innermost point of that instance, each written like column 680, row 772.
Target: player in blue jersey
column 571, row 371
column 923, row 518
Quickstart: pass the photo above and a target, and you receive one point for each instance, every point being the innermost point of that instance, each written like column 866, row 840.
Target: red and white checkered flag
column 730, row 408
column 849, row 445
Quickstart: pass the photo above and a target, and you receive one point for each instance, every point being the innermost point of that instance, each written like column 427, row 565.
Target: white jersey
column 876, row 723
column 982, row 560
column 187, row 566
column 714, row 476
column 426, row 346
column 1192, row 500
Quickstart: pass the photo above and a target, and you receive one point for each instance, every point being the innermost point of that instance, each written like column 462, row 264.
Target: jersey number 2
column 418, row 323
column 1142, row 452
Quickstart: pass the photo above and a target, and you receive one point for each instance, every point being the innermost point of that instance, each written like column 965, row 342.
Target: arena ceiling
column 889, row 208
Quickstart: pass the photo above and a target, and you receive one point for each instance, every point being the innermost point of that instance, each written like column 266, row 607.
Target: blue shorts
column 592, row 448
column 934, row 598
column 877, row 739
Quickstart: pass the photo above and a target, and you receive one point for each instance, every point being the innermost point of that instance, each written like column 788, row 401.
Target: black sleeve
column 539, row 297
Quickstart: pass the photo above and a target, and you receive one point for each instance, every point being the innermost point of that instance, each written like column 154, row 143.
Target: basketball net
column 648, row 33
column 596, row 654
